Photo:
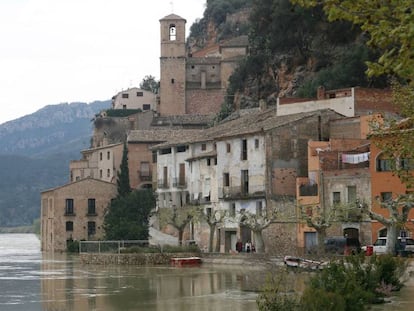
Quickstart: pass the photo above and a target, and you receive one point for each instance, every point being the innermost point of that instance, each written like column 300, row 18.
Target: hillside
column 35, row 152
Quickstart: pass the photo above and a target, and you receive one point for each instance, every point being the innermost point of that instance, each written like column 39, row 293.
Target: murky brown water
column 32, row 281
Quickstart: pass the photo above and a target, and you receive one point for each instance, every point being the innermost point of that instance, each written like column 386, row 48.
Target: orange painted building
column 384, row 185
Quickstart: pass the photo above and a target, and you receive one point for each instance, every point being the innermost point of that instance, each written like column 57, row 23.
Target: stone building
column 249, row 163
column 194, row 84
column 74, row 211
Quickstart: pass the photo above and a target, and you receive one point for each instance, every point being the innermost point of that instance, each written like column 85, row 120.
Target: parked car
column 342, row 245
column 403, row 244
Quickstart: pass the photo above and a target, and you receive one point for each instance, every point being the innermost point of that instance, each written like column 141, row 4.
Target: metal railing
column 113, row 247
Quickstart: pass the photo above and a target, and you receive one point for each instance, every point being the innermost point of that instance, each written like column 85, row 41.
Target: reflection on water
column 30, row 281
column 72, row 286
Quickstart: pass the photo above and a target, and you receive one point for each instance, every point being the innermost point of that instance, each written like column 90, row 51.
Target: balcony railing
column 145, row 176
column 163, row 184
column 179, row 183
column 253, row 191
column 308, row 190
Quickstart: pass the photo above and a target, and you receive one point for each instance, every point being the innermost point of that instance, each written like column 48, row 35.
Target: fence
column 117, row 247
column 114, row 247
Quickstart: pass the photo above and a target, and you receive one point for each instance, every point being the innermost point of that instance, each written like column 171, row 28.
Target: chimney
column 320, row 93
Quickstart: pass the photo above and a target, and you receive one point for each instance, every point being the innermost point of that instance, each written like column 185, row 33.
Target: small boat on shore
column 298, row 262
column 185, row 261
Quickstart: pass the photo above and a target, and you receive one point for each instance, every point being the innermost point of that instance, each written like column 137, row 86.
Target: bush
column 349, row 284
column 72, row 246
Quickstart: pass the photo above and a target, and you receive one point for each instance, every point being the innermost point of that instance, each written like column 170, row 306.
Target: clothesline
column 355, row 158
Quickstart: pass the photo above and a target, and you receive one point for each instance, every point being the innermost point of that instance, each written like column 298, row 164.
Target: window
column 69, row 208
column 125, row 95
column 244, row 149
column 226, row 179
column 91, row 228
column 124, row 107
column 154, row 157
column 100, row 156
column 336, row 198
column 181, row 176
column 407, row 164
column 215, row 161
column 383, row 164
column 245, row 181
column 228, row 148
column 172, row 81
column 386, row 196
column 108, row 155
column 232, row 210
column 352, row 196
column 173, row 32
column 108, row 173
column 146, row 107
column 69, row 226
column 208, row 212
column 256, row 143
column 91, row 207
column 259, row 208
column 181, row 148
column 100, row 174
column 140, row 94
column 208, row 161
column 145, row 170
column 203, row 147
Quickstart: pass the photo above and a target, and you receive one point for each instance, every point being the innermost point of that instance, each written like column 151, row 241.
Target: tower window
column 173, row 33
column 172, row 81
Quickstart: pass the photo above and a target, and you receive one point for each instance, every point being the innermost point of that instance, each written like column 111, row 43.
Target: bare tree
column 398, row 209
column 213, row 218
column 178, row 217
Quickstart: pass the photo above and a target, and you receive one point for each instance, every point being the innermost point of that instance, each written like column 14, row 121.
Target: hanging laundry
column 355, row 158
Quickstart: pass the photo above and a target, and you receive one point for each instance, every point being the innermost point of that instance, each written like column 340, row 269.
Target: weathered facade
column 74, row 211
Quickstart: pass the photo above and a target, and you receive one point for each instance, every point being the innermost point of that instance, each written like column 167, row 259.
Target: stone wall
column 139, row 259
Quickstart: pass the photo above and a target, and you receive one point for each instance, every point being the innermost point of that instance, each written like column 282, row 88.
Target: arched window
column 173, row 33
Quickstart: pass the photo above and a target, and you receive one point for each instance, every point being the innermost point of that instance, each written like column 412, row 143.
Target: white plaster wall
column 342, row 105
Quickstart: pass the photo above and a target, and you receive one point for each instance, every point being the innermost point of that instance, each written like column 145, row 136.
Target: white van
column 380, row 245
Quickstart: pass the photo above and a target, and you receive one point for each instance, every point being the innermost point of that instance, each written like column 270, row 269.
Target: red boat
column 185, row 261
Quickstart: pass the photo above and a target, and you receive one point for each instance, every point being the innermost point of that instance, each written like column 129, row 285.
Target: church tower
column 172, row 66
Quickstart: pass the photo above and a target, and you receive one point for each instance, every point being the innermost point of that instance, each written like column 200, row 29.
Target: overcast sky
column 56, row 51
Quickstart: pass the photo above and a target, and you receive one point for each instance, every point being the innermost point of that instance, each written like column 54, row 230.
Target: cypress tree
column 124, row 188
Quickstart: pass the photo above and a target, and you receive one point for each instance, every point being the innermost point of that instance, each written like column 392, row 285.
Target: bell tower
column 172, row 66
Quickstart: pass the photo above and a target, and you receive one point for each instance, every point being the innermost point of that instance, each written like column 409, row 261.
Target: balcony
column 145, row 175
column 240, row 192
column 179, row 183
column 162, row 184
column 308, row 190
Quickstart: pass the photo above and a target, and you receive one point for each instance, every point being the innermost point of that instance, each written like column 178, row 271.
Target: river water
column 30, row 281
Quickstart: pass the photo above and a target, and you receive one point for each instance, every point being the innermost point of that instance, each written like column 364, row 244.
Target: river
column 30, row 281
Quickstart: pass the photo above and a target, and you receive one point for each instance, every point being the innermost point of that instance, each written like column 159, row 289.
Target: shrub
column 72, row 246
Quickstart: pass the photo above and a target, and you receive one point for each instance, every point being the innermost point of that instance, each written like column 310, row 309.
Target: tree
column 389, row 25
column 122, row 182
column 259, row 221
column 149, row 84
column 213, row 219
column 178, row 218
column 398, row 209
column 322, row 219
column 127, row 217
